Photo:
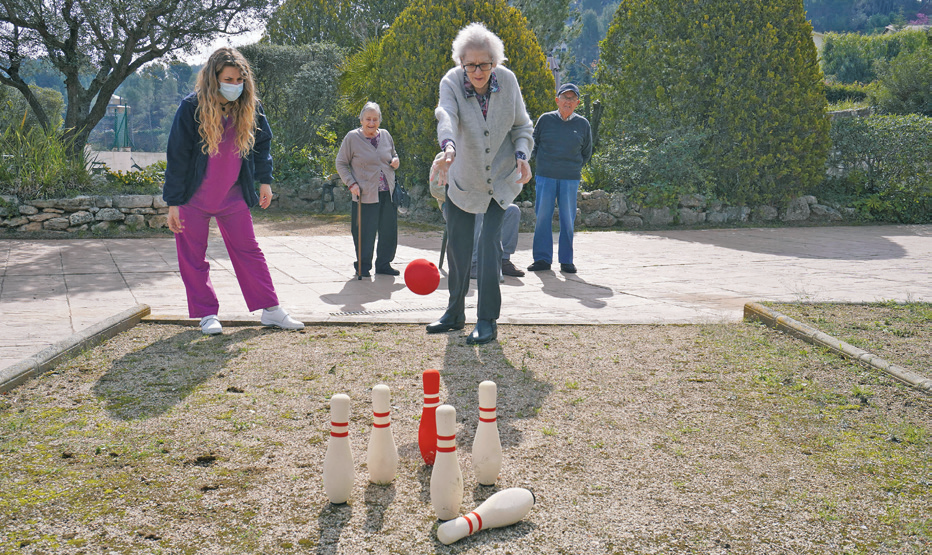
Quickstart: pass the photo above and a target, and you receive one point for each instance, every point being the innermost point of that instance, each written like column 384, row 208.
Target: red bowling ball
column 422, row 276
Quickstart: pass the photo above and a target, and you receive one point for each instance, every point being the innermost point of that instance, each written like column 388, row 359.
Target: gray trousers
column 510, row 224
column 461, row 227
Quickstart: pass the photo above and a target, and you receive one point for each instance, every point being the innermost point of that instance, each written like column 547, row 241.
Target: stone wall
column 84, row 213
column 595, row 210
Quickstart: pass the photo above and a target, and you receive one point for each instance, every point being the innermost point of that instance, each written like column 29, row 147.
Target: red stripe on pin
column 446, row 438
column 446, row 449
column 381, row 414
column 469, row 521
column 374, row 425
column 486, row 419
column 487, row 410
column 478, row 520
column 334, row 434
column 339, row 423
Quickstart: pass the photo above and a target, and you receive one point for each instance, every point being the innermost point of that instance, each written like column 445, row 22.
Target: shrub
column 884, row 162
column 752, row 118
column 415, row 53
column 905, row 84
column 36, row 164
column 852, row 57
column 840, row 92
column 653, row 172
column 148, row 181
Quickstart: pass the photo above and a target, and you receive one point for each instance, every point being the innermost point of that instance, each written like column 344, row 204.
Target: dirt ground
column 718, row 439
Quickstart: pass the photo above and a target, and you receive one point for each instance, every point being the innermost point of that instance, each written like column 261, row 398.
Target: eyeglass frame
column 563, row 97
column 476, row 67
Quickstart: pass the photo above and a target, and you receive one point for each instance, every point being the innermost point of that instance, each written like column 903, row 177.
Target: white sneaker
column 278, row 318
column 210, row 325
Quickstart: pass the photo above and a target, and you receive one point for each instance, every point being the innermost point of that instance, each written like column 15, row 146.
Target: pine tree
column 740, row 75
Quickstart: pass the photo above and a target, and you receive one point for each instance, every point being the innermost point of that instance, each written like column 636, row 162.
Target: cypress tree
column 740, row 76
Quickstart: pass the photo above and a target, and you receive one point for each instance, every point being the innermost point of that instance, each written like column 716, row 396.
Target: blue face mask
column 230, row 91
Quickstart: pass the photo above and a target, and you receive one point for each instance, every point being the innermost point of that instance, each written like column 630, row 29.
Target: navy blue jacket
column 187, row 162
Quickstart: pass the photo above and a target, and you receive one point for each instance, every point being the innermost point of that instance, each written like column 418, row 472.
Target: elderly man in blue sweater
column 562, row 146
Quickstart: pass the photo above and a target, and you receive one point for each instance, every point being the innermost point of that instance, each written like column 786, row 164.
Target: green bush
column 35, row 164
column 653, row 172
column 146, row 182
column 853, row 58
column 752, row 118
column 904, row 85
column 415, row 53
column 883, row 162
column 840, row 92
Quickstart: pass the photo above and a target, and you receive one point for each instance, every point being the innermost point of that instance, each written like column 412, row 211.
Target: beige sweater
column 359, row 162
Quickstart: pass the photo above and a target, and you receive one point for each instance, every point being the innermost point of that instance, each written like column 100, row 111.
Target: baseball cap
column 568, row 87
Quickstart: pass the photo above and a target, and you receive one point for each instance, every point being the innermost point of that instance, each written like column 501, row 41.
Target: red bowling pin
column 427, row 430
column 487, row 445
column 502, row 509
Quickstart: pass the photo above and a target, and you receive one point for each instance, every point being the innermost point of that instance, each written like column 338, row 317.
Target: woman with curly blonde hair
column 218, row 148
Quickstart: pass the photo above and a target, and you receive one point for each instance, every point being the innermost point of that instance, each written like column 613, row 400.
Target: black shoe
column 447, row 323
column 484, row 332
column 568, row 268
column 388, row 271
column 509, row 269
column 539, row 266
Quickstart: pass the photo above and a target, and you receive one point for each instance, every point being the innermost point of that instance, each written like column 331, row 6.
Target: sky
column 225, row 40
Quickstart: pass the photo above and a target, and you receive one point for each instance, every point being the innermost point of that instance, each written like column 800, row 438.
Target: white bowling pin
column 446, row 478
column 339, row 470
column 487, row 446
column 382, row 456
column 502, row 509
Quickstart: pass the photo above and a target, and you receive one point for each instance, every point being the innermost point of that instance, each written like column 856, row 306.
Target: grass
column 673, row 439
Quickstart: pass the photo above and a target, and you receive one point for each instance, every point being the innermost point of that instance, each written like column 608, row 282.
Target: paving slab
column 51, row 289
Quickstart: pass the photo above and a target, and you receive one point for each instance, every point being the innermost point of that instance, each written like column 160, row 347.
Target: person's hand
column 441, row 166
column 524, row 171
column 265, row 195
column 174, row 220
column 394, row 163
column 354, row 189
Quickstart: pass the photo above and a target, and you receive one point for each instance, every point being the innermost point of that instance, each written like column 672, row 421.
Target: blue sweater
column 561, row 148
column 187, row 163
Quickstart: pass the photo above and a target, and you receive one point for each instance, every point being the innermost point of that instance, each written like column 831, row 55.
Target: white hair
column 477, row 36
column 370, row 107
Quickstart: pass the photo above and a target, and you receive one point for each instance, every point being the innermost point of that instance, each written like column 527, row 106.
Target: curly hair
column 477, row 36
column 242, row 110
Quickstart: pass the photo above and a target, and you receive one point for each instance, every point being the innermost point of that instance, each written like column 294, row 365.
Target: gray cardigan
column 358, row 162
column 484, row 167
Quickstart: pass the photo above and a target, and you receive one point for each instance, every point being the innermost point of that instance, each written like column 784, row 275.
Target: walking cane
column 359, row 236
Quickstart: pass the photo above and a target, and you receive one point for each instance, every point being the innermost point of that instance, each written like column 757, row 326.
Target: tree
column 346, row 23
column 854, row 58
column 739, row 76
column 905, row 83
column 108, row 40
column 415, row 54
column 15, row 113
column 547, row 18
column 298, row 88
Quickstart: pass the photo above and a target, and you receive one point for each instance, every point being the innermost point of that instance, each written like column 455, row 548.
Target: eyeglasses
column 569, row 97
column 471, row 68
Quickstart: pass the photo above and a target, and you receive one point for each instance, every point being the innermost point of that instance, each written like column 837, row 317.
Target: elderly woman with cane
column 366, row 163
column 485, row 136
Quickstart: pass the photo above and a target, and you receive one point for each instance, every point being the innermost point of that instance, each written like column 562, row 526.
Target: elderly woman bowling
column 366, row 163
column 485, row 136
